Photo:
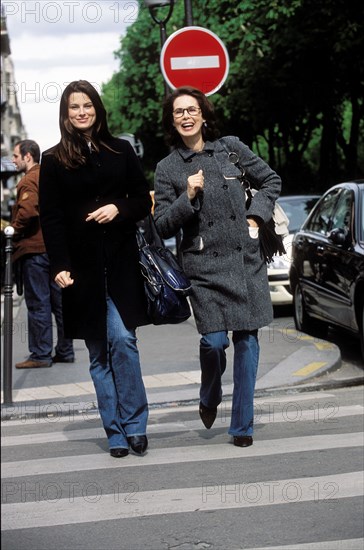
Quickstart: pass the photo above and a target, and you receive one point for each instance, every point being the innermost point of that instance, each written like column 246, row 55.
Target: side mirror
column 339, row 236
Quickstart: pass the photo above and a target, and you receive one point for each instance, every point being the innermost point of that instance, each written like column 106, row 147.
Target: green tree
column 294, row 91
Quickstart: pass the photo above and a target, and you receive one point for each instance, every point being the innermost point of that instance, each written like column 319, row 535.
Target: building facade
column 12, row 128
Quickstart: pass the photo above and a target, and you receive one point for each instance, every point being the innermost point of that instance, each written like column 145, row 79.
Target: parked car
column 327, row 270
column 297, row 208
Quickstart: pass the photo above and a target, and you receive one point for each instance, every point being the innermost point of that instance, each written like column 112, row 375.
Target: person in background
column 42, row 295
column 92, row 194
column 199, row 190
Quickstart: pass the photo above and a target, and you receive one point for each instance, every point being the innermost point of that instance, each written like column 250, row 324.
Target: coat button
column 97, row 199
column 215, row 254
column 210, row 154
column 233, row 217
column 238, row 248
column 210, row 224
column 225, row 186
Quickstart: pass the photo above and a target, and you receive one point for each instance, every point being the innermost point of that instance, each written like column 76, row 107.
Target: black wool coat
column 97, row 255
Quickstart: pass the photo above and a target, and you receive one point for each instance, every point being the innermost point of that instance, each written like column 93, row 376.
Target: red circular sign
column 194, row 56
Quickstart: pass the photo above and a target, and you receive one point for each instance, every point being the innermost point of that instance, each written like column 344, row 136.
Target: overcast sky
column 53, row 43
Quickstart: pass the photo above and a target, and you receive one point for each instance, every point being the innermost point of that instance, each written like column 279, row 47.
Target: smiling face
column 81, row 112
column 188, row 124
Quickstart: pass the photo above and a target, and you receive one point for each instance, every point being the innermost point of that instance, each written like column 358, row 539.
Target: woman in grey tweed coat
column 197, row 189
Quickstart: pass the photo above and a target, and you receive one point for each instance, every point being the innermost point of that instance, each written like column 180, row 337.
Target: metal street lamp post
column 153, row 6
column 188, row 13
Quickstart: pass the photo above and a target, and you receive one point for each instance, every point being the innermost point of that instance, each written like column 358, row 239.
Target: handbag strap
column 151, row 235
column 234, row 159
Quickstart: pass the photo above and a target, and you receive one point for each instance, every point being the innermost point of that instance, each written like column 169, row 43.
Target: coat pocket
column 192, row 244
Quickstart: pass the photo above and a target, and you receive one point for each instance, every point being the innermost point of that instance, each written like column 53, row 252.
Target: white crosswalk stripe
column 175, row 455
column 172, row 501
column 306, row 462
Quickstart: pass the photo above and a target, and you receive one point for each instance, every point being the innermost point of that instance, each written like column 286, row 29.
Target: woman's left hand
column 105, row 214
column 252, row 222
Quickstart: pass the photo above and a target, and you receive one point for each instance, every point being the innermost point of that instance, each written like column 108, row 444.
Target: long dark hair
column 209, row 129
column 70, row 151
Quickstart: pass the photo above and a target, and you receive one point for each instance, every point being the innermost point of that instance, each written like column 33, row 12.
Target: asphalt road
column 299, row 487
column 349, row 345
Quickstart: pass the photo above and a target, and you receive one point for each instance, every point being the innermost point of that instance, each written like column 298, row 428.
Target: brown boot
column 31, row 364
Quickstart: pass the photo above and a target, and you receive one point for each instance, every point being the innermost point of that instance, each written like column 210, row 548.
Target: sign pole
column 188, row 13
column 8, row 316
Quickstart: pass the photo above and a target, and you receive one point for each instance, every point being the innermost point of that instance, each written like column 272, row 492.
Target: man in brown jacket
column 42, row 296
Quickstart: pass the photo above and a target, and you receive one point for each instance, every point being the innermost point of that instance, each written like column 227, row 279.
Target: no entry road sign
column 194, row 56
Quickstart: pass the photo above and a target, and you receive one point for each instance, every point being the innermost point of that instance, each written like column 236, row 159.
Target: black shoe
column 119, row 452
column 207, row 415
column 139, row 443
column 243, row 440
column 58, row 359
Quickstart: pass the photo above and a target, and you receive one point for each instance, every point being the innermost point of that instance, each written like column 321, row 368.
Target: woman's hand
column 195, row 184
column 63, row 279
column 252, row 222
column 105, row 214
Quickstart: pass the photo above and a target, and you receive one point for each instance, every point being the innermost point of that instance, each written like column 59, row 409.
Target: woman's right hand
column 63, row 279
column 195, row 184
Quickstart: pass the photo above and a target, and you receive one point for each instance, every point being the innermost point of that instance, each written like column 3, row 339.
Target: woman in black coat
column 92, row 193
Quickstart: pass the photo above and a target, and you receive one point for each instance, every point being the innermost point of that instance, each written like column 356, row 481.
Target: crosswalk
column 300, row 486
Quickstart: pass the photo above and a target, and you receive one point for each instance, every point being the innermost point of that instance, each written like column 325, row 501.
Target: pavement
column 290, row 361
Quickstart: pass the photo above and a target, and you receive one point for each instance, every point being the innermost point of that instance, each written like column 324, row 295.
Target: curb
column 54, row 411
column 302, row 371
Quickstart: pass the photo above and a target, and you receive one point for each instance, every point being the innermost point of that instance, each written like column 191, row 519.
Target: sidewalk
column 289, row 361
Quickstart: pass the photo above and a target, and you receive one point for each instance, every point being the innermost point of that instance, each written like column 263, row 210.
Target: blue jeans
column 43, row 297
column 213, row 365
column 116, row 374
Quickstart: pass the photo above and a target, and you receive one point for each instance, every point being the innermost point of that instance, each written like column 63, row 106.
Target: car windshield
column 297, row 210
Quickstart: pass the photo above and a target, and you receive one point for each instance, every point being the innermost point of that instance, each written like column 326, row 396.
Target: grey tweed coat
column 228, row 274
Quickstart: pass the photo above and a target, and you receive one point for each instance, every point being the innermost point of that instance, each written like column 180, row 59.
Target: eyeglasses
column 192, row 111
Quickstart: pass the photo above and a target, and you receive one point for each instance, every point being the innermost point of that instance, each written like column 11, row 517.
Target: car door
column 337, row 262
column 310, row 244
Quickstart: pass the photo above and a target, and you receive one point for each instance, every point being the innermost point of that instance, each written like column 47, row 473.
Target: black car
column 327, row 270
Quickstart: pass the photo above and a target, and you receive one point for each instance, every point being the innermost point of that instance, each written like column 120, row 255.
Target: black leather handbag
column 165, row 283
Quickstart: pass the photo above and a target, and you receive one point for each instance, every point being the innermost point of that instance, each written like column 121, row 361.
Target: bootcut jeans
column 43, row 297
column 116, row 374
column 245, row 367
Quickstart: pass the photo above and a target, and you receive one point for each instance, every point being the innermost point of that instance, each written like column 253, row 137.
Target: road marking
column 310, row 368
column 58, row 413
column 292, row 413
column 173, row 455
column 204, row 498
column 347, row 544
column 322, row 346
column 195, row 62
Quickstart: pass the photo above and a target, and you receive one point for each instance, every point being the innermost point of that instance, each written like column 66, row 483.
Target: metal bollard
column 8, row 317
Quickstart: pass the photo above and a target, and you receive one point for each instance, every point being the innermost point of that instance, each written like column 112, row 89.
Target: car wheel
column 299, row 310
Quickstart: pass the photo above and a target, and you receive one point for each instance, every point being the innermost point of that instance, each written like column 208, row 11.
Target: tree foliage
column 294, row 92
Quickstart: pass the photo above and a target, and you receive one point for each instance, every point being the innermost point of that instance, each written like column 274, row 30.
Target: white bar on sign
column 196, row 62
